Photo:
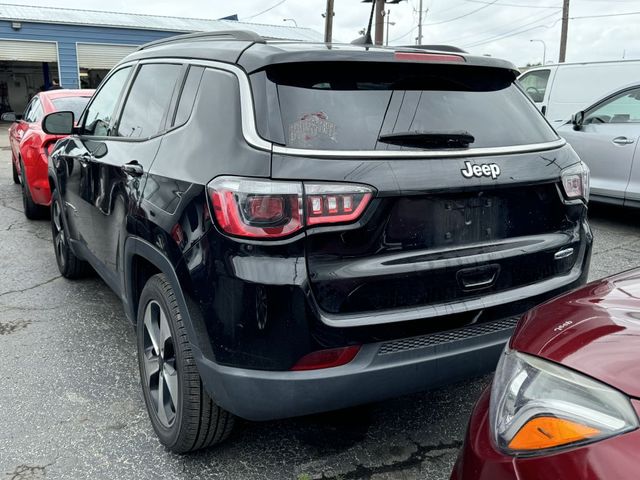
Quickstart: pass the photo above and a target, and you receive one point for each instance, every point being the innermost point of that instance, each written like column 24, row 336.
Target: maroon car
column 564, row 399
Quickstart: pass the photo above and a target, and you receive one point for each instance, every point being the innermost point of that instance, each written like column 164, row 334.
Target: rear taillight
column 575, row 181
column 270, row 209
column 256, row 208
column 335, row 203
column 333, row 357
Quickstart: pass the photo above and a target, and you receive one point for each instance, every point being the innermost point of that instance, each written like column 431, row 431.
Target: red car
column 30, row 146
column 565, row 397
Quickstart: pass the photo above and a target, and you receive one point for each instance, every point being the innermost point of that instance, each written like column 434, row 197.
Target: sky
column 598, row 29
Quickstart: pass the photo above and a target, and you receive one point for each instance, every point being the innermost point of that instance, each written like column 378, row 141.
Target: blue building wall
column 68, row 35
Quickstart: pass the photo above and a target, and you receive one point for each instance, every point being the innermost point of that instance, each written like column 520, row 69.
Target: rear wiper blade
column 419, row 139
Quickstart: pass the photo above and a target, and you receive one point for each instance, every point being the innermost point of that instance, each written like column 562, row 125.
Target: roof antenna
column 366, row 38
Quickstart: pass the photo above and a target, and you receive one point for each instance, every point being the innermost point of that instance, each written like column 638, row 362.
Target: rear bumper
column 380, row 371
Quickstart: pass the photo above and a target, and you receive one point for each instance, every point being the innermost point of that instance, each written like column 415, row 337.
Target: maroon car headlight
column 539, row 406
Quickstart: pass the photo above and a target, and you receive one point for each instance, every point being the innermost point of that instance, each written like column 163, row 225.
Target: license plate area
column 450, row 220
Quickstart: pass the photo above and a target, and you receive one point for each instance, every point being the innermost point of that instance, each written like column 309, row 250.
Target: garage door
column 96, row 56
column 13, row 50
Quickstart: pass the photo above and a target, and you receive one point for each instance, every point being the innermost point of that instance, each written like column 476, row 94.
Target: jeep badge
column 485, row 170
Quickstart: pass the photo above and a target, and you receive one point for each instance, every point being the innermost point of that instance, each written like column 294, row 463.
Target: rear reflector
column 333, row 357
column 428, row 57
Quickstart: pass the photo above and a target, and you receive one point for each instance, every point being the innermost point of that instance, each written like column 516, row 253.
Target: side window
column 34, row 111
column 27, row 111
column 98, row 117
column 188, row 96
column 535, row 84
column 623, row 108
column 37, row 112
column 147, row 105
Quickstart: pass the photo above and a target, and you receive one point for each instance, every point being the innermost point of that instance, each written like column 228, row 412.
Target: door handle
column 622, row 141
column 133, row 168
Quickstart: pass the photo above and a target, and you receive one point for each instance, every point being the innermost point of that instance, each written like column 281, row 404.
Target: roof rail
column 242, row 35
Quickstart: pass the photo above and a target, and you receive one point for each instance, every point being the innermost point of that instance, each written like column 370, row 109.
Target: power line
column 513, row 32
column 605, row 15
column 402, row 36
column 265, row 11
column 462, row 16
column 513, row 4
column 479, row 36
column 518, row 31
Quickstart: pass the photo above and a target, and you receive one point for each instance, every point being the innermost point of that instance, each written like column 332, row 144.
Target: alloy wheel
column 59, row 238
column 159, row 359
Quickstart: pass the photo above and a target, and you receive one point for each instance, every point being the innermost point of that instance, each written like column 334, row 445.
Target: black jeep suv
column 295, row 228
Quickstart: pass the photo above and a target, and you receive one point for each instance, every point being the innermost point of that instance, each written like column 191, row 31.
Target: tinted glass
column 147, row 105
column 624, row 108
column 37, row 112
column 34, row 111
column 71, row 104
column 535, row 84
column 27, row 111
column 349, row 106
column 188, row 95
column 98, row 119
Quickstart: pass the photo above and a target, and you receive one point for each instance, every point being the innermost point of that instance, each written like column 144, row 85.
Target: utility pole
column 565, row 30
column 389, row 22
column 420, row 24
column 328, row 22
column 379, row 22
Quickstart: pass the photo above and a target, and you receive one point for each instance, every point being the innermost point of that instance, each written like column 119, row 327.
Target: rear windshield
column 71, row 104
column 352, row 106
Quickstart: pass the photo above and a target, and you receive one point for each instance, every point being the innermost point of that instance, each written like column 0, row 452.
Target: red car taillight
column 329, row 203
column 269, row 209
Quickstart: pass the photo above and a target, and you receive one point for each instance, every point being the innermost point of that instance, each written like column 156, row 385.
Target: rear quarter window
column 71, row 104
column 348, row 106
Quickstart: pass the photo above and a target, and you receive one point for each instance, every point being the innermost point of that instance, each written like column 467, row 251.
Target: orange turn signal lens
column 547, row 432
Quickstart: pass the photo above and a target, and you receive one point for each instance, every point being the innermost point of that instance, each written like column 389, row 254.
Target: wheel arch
column 142, row 260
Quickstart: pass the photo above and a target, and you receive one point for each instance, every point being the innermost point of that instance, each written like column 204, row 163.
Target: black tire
column 189, row 419
column 69, row 265
column 16, row 176
column 32, row 210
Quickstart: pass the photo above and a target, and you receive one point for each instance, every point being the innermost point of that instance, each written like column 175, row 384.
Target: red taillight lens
column 256, row 208
column 264, row 209
column 329, row 203
column 429, row 57
column 333, row 357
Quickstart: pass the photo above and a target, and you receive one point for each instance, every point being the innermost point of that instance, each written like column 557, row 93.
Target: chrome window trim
column 247, row 115
column 373, row 154
column 250, row 130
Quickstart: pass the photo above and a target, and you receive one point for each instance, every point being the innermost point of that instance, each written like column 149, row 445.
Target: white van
column 561, row 90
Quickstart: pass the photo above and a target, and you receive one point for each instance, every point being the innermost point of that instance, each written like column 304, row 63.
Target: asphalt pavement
column 71, row 405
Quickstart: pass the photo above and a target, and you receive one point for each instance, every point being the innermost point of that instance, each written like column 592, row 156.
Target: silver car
column 606, row 135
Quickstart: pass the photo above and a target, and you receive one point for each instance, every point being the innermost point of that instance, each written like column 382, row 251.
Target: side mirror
column 58, row 123
column 10, row 117
column 577, row 119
